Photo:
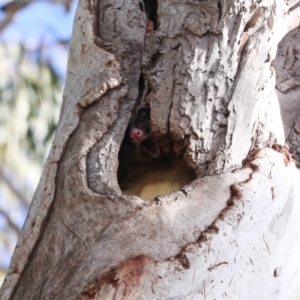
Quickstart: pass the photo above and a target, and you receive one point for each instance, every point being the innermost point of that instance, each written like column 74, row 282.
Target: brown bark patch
column 182, row 258
column 236, row 194
column 128, row 273
column 284, row 151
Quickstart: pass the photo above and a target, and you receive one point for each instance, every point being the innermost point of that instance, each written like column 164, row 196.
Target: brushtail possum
column 144, row 170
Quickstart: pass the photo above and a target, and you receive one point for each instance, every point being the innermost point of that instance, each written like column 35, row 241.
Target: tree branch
column 10, row 222
column 12, row 187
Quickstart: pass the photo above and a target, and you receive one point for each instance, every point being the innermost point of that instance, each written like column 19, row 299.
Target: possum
column 144, row 170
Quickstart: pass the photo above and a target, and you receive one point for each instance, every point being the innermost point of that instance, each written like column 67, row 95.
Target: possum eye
column 144, row 114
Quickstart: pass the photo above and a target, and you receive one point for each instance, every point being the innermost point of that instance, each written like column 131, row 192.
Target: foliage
column 30, row 98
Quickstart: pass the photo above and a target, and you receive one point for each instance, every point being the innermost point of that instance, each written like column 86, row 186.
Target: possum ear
column 150, row 147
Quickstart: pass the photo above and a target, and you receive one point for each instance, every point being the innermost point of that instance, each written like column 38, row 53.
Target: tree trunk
column 206, row 72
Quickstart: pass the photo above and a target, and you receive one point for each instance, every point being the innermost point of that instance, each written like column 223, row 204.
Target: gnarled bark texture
column 209, row 77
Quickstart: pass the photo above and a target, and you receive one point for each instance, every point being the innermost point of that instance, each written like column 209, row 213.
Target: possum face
column 141, row 126
column 140, row 132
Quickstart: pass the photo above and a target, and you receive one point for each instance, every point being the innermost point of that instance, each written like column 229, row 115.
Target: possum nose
column 136, row 135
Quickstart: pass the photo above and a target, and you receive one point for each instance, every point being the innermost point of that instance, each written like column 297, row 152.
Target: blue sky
column 44, row 23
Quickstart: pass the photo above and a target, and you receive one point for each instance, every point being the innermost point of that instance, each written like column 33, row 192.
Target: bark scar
column 94, row 94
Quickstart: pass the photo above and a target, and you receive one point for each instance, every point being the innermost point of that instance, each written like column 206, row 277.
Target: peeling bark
column 210, row 83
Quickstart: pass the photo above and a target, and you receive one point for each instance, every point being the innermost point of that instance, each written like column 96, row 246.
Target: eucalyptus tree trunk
column 208, row 73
